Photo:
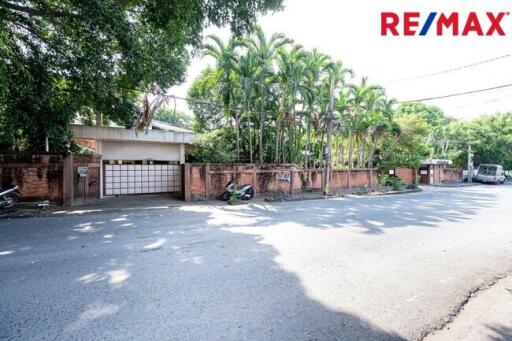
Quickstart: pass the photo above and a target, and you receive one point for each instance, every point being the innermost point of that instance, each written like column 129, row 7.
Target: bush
column 393, row 181
column 211, row 147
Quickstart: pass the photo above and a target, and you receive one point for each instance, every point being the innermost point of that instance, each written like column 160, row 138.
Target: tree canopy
column 65, row 58
column 268, row 97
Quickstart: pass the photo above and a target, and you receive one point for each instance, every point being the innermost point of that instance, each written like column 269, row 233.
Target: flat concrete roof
column 130, row 135
column 436, row 162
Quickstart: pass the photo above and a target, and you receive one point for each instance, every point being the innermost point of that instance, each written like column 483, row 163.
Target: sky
column 350, row 31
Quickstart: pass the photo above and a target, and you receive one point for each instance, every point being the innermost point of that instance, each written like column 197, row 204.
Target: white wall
column 113, row 150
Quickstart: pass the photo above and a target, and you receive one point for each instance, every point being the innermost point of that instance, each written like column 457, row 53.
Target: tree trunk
column 308, row 144
column 237, row 132
column 276, row 158
column 350, row 150
column 360, row 152
column 250, row 134
column 262, row 115
column 342, row 154
column 371, row 157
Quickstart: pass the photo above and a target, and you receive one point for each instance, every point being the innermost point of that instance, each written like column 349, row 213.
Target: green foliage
column 393, row 181
column 489, row 136
column 273, row 95
column 269, row 99
column 407, row 149
column 214, row 147
column 174, row 117
column 232, row 198
column 66, row 57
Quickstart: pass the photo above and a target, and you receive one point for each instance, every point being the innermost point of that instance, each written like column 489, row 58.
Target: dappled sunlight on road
column 94, row 312
column 155, row 245
column 349, row 268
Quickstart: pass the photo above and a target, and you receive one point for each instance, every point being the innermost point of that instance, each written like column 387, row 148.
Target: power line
column 458, row 68
column 457, row 94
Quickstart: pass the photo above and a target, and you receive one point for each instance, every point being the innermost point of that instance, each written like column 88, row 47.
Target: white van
column 491, row 174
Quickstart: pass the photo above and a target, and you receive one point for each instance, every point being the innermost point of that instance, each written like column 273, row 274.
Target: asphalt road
column 367, row 268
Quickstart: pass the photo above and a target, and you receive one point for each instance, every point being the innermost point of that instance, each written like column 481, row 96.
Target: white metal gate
column 139, row 179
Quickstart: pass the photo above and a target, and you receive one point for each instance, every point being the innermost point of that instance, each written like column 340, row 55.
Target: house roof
column 159, row 125
column 437, row 162
column 178, row 135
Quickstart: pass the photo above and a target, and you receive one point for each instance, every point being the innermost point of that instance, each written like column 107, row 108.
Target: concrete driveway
column 368, row 268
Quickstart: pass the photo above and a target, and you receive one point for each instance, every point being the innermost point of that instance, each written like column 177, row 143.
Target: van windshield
column 491, row 170
column 487, row 170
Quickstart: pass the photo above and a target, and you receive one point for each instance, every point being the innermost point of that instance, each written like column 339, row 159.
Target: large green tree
column 68, row 57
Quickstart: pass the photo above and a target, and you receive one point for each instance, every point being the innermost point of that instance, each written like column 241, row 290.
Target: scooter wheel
column 10, row 199
column 224, row 197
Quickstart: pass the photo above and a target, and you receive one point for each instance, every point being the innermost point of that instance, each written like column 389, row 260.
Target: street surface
column 363, row 268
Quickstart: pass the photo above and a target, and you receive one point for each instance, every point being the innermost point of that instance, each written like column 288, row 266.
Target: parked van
column 491, row 174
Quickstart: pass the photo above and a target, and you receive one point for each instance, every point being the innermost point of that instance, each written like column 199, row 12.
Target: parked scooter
column 244, row 192
column 9, row 197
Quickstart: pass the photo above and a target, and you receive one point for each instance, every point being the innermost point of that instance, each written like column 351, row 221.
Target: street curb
column 407, row 191
column 320, row 197
column 354, row 195
column 77, row 212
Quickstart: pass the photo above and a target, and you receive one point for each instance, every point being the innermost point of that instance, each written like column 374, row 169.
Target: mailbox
column 82, row 172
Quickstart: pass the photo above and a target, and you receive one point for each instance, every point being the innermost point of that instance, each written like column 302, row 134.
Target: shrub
column 393, row 181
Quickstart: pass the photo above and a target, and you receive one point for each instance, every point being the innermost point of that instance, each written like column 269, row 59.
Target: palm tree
column 289, row 80
column 381, row 123
column 358, row 97
column 265, row 52
column 314, row 67
column 246, row 68
column 226, row 58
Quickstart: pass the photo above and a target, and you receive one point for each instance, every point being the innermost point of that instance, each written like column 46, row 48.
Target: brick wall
column 86, row 188
column 39, row 176
column 407, row 175
column 451, row 175
column 203, row 181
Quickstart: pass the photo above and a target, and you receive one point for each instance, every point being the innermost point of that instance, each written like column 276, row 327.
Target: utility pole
column 470, row 165
column 330, row 119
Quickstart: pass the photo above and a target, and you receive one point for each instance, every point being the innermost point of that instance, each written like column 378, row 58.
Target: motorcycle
column 244, row 192
column 9, row 197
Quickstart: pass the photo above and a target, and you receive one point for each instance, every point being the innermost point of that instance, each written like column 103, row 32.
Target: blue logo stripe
column 428, row 23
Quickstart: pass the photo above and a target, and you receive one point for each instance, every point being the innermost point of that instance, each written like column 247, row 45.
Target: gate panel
column 141, row 179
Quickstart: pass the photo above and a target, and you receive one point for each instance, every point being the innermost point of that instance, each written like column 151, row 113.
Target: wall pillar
column 206, row 181
column 185, row 178
column 98, row 152
column 67, row 181
column 182, row 153
column 291, row 182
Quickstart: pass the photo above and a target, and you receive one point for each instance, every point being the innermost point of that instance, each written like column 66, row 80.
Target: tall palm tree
column 358, row 96
column 289, row 80
column 314, row 65
column 381, row 123
column 226, row 58
column 265, row 52
column 246, row 69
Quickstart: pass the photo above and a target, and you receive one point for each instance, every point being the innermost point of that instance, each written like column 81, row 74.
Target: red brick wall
column 87, row 188
column 407, row 175
column 39, row 177
column 209, row 180
column 451, row 175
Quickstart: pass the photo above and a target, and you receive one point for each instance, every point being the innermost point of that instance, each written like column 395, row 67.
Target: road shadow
column 500, row 333
column 126, row 277
column 374, row 215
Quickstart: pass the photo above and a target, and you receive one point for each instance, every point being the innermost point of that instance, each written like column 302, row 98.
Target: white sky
column 350, row 31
